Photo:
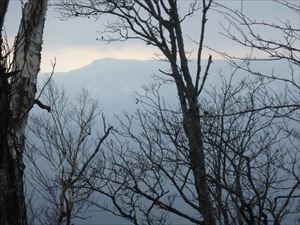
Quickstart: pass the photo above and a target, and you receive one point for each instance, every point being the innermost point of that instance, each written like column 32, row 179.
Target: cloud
column 74, row 57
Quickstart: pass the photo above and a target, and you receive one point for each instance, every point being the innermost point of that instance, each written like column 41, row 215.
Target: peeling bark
column 16, row 99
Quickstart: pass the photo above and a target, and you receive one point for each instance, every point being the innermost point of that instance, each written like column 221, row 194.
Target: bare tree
column 62, row 147
column 17, row 90
column 159, row 23
column 280, row 99
column 253, row 165
column 228, row 156
column 279, row 52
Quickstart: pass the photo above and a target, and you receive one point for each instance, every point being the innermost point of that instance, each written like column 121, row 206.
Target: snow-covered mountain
column 114, row 83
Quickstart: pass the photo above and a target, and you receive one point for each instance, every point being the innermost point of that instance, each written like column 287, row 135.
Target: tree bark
column 16, row 99
column 9, row 210
column 193, row 131
column 3, row 9
column 188, row 97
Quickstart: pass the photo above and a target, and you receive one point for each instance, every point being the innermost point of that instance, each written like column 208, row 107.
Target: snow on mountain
column 114, row 83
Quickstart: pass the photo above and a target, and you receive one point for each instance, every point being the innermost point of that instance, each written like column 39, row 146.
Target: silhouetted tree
column 253, row 165
column 222, row 154
column 17, row 89
column 159, row 23
column 62, row 147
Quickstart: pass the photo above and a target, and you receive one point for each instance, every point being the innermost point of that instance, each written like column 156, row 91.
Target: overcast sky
column 73, row 42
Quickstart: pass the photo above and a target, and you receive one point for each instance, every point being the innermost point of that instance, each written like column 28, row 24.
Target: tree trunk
column 10, row 212
column 188, row 97
column 16, row 99
column 3, row 8
column 193, row 131
column 11, row 203
column 192, row 128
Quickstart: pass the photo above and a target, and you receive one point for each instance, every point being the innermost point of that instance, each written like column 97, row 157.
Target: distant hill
column 115, row 82
column 111, row 81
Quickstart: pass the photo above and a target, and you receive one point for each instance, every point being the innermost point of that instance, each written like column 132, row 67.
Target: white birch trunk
column 22, row 89
column 27, row 60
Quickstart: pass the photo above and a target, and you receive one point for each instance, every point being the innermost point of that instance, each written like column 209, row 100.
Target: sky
column 73, row 42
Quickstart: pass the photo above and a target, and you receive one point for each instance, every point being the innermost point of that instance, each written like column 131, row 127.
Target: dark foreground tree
column 253, row 165
column 159, row 23
column 17, row 90
column 62, row 147
column 230, row 156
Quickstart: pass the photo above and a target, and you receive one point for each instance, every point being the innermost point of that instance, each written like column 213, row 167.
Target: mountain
column 114, row 83
column 110, row 80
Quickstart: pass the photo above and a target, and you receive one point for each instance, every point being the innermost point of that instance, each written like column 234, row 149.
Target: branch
column 41, row 105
